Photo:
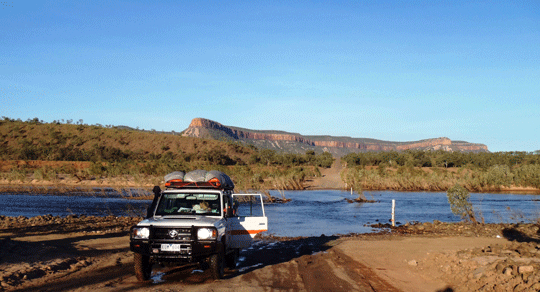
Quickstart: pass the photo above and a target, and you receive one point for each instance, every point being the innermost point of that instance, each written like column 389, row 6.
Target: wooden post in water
column 393, row 212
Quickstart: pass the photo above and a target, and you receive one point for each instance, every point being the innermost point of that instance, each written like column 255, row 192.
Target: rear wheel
column 143, row 267
column 232, row 258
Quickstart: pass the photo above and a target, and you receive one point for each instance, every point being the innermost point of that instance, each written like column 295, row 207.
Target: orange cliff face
column 426, row 144
column 238, row 134
column 194, row 130
column 471, row 147
column 353, row 145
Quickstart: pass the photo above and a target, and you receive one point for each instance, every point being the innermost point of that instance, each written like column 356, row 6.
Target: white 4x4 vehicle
column 195, row 220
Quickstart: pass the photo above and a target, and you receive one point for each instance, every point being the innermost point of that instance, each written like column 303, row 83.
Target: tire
column 232, row 258
column 143, row 267
column 217, row 265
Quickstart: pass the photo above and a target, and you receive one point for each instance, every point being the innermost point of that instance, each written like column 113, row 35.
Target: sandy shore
column 73, row 253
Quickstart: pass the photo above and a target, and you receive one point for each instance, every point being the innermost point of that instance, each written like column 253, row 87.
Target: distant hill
column 36, row 140
column 338, row 146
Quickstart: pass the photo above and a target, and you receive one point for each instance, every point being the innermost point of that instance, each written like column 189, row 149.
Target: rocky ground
column 511, row 264
column 79, row 253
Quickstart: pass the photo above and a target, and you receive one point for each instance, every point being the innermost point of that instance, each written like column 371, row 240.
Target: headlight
column 206, row 233
column 141, row 233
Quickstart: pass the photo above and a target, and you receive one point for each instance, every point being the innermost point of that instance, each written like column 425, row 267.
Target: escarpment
column 204, row 128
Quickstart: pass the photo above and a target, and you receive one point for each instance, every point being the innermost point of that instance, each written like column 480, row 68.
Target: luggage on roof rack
column 199, row 179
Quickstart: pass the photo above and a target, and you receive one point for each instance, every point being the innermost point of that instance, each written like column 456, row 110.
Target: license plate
column 170, row 247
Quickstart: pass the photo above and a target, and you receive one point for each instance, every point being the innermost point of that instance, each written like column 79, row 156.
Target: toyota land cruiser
column 195, row 220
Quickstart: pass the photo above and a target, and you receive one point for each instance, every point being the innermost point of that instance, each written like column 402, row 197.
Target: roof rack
column 199, row 179
column 178, row 183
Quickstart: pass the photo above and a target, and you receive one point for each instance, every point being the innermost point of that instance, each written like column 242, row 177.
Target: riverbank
column 79, row 253
column 47, row 176
column 332, row 178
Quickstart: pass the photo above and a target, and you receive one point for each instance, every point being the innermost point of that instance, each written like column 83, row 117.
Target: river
column 310, row 213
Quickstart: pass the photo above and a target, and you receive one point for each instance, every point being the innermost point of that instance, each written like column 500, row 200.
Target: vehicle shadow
column 264, row 253
column 514, row 234
column 260, row 254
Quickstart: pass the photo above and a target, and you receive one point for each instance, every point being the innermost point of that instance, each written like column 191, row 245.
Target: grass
column 427, row 179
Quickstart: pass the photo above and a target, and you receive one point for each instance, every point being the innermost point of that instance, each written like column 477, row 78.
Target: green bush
column 528, row 175
column 499, row 175
column 458, row 197
column 218, row 156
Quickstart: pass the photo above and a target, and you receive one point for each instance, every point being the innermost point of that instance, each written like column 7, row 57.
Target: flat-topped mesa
column 470, row 147
column 387, row 146
column 443, row 141
column 204, row 128
column 241, row 134
column 355, row 145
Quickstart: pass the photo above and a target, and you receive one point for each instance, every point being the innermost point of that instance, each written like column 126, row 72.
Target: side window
column 167, row 206
column 248, row 205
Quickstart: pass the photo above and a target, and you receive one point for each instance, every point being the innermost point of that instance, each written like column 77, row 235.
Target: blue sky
column 389, row 70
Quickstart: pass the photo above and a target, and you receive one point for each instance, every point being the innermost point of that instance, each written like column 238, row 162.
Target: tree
column 458, row 197
column 267, row 156
column 324, row 160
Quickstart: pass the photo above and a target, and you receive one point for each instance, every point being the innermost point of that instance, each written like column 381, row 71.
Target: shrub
column 499, row 175
column 353, row 178
column 458, row 197
column 217, row 156
column 97, row 168
column 528, row 175
column 324, row 160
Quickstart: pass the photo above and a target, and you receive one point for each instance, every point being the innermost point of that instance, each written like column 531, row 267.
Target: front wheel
column 216, row 266
column 143, row 267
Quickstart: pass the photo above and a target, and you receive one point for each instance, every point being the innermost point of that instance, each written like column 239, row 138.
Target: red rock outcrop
column 194, row 130
column 239, row 134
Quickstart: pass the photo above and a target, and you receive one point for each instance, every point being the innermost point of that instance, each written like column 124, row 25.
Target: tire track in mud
column 302, row 264
column 334, row 271
column 309, row 264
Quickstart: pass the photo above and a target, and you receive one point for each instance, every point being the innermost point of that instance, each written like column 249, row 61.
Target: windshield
column 187, row 204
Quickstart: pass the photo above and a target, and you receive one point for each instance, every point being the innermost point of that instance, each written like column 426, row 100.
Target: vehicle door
column 248, row 220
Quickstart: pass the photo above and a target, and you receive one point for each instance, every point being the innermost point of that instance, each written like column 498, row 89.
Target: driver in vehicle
column 202, row 207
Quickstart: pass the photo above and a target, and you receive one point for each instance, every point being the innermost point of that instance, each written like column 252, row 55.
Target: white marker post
column 393, row 212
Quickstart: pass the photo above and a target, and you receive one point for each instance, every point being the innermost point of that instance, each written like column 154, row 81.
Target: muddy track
column 305, row 264
column 335, row 271
column 330, row 179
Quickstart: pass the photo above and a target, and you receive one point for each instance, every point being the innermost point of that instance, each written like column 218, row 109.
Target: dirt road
column 85, row 262
column 92, row 254
column 330, row 178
